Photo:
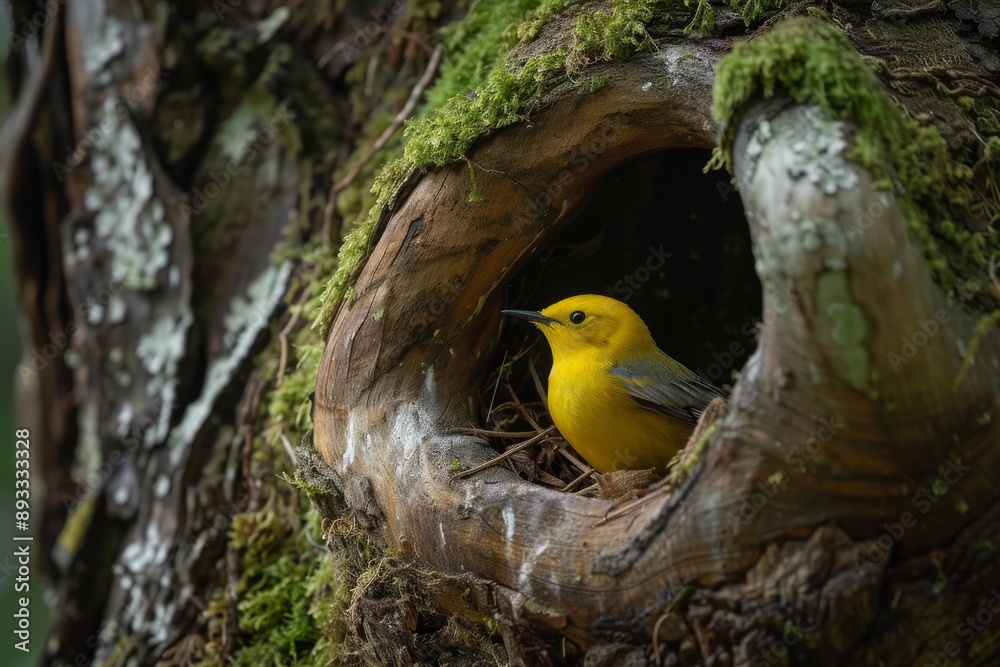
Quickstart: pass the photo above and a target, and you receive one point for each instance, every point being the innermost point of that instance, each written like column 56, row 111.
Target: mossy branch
column 811, row 62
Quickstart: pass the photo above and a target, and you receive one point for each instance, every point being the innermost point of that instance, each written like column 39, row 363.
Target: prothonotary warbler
column 613, row 394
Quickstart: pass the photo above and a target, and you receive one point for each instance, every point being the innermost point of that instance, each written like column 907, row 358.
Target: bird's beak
column 531, row 316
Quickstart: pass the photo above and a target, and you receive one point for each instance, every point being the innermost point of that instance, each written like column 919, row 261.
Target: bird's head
column 589, row 323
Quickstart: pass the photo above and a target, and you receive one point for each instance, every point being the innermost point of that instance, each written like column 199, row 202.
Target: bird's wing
column 676, row 392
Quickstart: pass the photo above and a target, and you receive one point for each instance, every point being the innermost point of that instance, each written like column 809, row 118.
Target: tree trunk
column 202, row 166
column 835, row 433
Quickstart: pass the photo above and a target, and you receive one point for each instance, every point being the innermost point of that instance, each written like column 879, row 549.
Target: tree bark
column 163, row 167
column 840, row 510
column 828, row 440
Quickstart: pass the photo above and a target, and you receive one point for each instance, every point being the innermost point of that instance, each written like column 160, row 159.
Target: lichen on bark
column 813, row 62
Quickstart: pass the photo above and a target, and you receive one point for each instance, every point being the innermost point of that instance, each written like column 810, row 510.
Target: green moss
column 754, row 10
column 686, row 459
column 352, row 252
column 986, row 324
column 813, row 63
column 302, row 485
column 536, row 608
column 482, row 90
column 447, row 134
column 620, row 33
column 475, row 46
column 276, row 610
column 592, row 84
column 290, row 599
column 704, row 18
column 530, row 28
column 992, row 151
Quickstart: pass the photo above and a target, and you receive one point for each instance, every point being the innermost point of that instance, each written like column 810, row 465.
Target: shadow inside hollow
column 671, row 242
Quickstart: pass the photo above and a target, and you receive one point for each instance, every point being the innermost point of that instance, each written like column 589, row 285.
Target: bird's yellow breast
column 605, row 424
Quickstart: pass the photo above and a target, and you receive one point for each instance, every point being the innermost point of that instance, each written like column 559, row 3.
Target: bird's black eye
column 577, row 316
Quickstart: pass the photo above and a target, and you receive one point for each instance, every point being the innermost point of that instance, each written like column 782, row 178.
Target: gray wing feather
column 654, row 386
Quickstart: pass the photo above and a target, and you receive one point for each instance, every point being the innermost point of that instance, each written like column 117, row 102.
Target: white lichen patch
column 267, row 28
column 819, row 155
column 116, row 309
column 131, row 224
column 160, row 350
column 236, row 134
column 144, row 556
column 761, row 135
column 120, row 496
column 823, row 234
column 162, row 486
column 528, row 565
column 350, row 438
column 508, row 522
column 681, row 65
column 246, row 318
column 800, row 163
column 98, row 53
column 248, row 314
column 162, row 345
column 145, row 553
column 88, row 457
column 81, row 240
column 163, row 618
column 126, row 414
column 95, row 313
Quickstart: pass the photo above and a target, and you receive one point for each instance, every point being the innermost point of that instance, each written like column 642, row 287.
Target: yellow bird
column 613, row 394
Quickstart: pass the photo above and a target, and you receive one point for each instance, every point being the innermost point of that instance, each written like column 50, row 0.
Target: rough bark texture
column 172, row 285
column 163, row 168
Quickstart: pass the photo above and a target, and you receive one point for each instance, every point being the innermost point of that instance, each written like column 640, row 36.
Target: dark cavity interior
column 672, row 243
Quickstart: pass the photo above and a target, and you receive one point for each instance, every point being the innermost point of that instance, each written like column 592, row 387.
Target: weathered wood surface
column 391, row 386
column 824, row 427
